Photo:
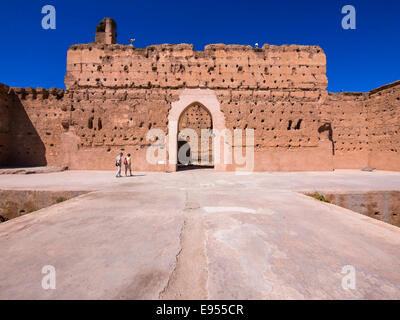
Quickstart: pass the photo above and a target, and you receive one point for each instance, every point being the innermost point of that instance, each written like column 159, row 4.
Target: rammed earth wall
column 116, row 93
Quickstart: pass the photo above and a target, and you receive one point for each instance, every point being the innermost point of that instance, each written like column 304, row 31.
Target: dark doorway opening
column 192, row 167
column 195, row 143
column 185, row 163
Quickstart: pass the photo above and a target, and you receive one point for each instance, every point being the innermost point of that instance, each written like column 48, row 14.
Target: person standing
column 118, row 163
column 128, row 165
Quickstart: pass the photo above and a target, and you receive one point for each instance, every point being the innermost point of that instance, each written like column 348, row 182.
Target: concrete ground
column 199, row 235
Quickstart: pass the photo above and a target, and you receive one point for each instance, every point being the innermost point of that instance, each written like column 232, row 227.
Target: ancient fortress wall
column 116, row 93
column 275, row 90
column 82, row 129
column 35, row 126
column 365, row 128
column 347, row 115
column 384, row 127
column 5, row 105
column 219, row 66
column 103, row 122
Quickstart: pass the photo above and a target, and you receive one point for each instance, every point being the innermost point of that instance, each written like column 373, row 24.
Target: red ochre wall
column 384, row 127
column 115, row 94
column 86, row 128
column 5, row 105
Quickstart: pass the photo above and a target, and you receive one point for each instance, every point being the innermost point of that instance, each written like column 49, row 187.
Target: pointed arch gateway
column 194, row 145
column 196, row 109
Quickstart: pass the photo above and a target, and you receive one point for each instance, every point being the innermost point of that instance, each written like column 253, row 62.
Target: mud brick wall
column 275, row 90
column 35, row 124
column 84, row 129
column 384, row 127
column 101, row 123
column 5, row 105
column 177, row 66
column 281, row 119
column 116, row 93
column 285, row 123
column 365, row 128
column 87, row 128
column 347, row 115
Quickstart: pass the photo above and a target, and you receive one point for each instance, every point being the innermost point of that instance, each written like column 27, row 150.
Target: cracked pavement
column 199, row 235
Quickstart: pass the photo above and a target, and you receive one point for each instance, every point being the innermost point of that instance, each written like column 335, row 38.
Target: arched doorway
column 194, row 139
column 188, row 97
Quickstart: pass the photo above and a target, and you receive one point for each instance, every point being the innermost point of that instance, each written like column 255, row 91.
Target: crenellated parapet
column 38, row 93
column 219, row 66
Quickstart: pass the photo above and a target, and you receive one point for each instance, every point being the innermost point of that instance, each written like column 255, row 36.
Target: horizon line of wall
column 60, row 92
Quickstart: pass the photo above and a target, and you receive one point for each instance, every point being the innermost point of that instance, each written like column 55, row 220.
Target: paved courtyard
column 199, row 235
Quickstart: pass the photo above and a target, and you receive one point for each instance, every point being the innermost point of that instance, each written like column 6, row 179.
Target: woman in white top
column 118, row 163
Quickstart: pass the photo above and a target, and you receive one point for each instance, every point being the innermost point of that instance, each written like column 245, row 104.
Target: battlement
column 208, row 48
column 219, row 66
column 37, row 93
column 178, row 66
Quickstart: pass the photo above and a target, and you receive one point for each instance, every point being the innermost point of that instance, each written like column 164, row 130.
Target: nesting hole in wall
column 298, row 125
column 90, row 123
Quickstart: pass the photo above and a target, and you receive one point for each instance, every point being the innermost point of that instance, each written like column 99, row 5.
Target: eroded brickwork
column 177, row 66
column 84, row 129
column 365, row 128
column 281, row 119
column 347, row 115
column 275, row 90
column 116, row 93
column 384, row 127
column 36, row 126
column 5, row 105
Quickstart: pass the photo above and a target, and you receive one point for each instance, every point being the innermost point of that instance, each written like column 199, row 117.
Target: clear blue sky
column 358, row 60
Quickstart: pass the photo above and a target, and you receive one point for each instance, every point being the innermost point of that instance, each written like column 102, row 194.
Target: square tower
column 106, row 31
